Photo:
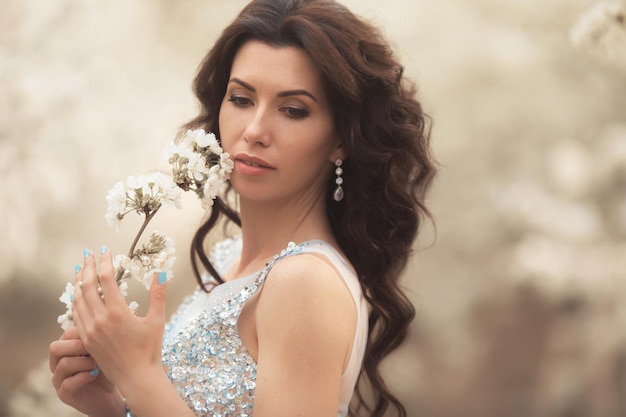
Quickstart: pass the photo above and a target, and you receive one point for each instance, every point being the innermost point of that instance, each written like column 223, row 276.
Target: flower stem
column 149, row 216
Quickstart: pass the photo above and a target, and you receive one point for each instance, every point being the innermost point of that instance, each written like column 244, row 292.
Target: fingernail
column 95, row 372
column 77, row 268
column 104, row 249
column 86, row 253
column 162, row 278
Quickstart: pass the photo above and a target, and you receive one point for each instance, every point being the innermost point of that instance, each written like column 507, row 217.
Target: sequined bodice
column 203, row 354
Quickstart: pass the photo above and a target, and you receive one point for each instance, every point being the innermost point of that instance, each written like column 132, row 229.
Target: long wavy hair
column 387, row 171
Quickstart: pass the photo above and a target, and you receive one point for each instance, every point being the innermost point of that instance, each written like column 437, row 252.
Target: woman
column 331, row 152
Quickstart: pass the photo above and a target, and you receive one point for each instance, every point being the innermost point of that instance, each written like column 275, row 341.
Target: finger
column 78, row 279
column 70, row 333
column 80, row 309
column 89, row 288
column 65, row 348
column 78, row 295
column 70, row 385
column 70, row 366
column 158, row 295
column 78, row 274
column 110, row 289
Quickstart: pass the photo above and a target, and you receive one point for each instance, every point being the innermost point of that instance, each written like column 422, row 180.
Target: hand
column 78, row 382
column 126, row 347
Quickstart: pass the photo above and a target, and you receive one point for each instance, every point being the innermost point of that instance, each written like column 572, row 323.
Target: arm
column 305, row 320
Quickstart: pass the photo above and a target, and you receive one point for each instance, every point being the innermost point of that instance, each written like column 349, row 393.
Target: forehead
column 285, row 67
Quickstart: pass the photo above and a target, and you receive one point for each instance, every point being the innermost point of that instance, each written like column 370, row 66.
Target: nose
column 258, row 129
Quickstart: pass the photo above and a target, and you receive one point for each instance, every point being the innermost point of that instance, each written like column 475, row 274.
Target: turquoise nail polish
column 104, row 249
column 162, row 278
column 77, row 268
column 86, row 253
column 95, row 372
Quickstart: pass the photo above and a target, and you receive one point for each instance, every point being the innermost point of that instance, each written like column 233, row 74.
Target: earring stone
column 338, row 194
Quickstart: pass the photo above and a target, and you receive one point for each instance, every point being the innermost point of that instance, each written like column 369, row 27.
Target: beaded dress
column 203, row 354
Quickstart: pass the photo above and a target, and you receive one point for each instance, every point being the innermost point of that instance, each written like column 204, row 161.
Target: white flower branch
column 197, row 164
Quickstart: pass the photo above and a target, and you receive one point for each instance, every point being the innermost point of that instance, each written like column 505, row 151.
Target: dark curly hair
column 387, row 171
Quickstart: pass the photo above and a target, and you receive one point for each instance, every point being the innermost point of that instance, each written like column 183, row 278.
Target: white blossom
column 167, row 189
column 175, row 151
column 212, row 187
column 116, row 204
column 195, row 161
column 143, row 194
column 194, row 136
column 124, row 288
column 226, row 165
column 204, row 140
column 157, row 255
column 116, row 198
column 197, row 169
column 68, row 295
column 120, row 262
column 66, row 320
column 197, row 164
column 133, row 305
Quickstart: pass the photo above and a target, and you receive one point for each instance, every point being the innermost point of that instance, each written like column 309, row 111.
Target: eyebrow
column 287, row 93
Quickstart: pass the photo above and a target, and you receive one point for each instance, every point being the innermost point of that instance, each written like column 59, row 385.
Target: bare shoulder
column 310, row 279
column 305, row 290
column 305, row 323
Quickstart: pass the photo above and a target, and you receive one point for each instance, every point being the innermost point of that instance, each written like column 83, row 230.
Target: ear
column 338, row 152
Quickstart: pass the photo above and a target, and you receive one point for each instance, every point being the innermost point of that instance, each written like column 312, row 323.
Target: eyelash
column 291, row 112
column 295, row 112
column 239, row 101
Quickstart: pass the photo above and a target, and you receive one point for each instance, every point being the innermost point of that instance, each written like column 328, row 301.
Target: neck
column 267, row 228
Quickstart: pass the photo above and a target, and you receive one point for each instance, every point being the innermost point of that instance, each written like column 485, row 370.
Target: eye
column 240, row 101
column 295, row 112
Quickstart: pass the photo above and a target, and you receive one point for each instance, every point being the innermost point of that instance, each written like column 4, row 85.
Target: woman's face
column 276, row 123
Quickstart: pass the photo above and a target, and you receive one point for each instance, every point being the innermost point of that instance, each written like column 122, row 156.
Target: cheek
column 222, row 117
column 225, row 127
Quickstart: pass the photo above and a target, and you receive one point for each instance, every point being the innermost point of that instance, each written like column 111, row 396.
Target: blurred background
column 520, row 288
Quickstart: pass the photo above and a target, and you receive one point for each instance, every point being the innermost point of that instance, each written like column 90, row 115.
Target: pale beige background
column 520, row 299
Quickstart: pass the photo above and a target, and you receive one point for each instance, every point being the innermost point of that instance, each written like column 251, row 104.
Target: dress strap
column 291, row 249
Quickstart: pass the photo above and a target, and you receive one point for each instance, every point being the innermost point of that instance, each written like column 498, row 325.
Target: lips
column 253, row 161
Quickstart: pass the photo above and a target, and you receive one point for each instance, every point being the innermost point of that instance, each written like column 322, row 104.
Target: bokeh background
column 520, row 288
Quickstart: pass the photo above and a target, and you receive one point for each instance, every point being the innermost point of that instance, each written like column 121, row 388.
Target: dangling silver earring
column 338, row 194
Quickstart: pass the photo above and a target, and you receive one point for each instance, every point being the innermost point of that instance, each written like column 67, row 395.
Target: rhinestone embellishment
column 206, row 360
